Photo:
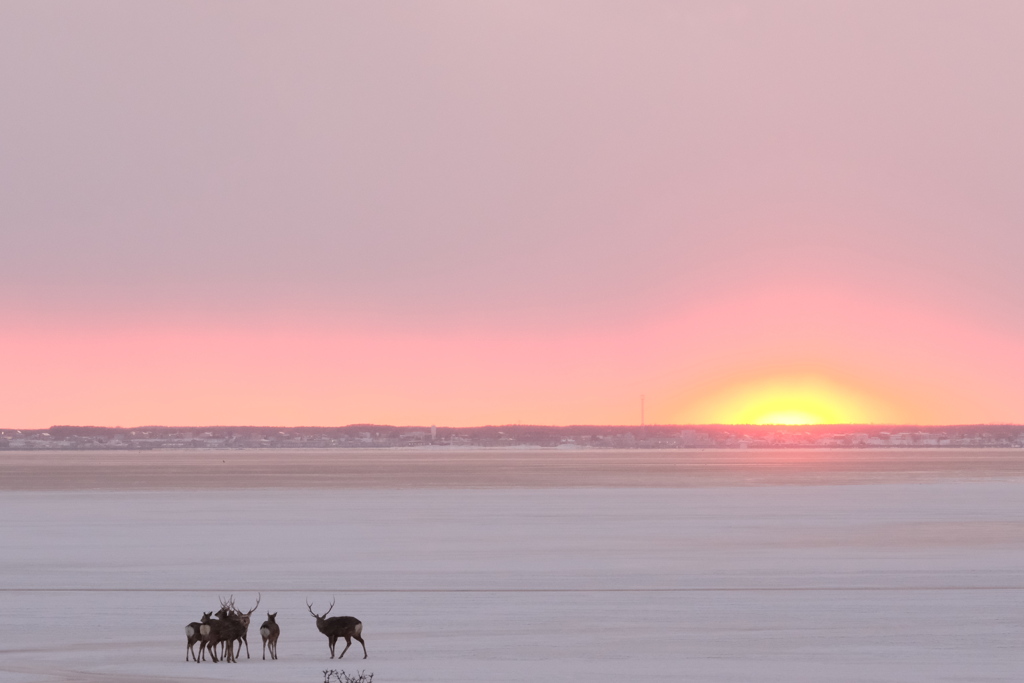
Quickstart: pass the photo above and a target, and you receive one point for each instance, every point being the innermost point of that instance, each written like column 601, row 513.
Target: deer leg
column 331, row 640
column 348, row 644
column 360, row 639
column 246, row 639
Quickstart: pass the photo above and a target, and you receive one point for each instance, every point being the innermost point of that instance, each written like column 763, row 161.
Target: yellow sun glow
column 786, row 401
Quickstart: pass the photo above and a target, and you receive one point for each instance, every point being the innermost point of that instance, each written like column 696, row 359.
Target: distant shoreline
column 582, row 437
column 444, row 448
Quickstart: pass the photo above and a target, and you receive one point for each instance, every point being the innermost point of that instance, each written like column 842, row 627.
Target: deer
column 239, row 628
column 205, row 625
column 338, row 627
column 244, row 618
column 225, row 629
column 206, row 629
column 270, row 632
column 234, row 628
column 194, row 636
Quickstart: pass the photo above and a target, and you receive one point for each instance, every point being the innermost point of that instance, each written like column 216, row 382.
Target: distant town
column 516, row 436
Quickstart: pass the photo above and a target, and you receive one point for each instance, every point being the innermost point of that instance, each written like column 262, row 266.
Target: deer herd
column 218, row 633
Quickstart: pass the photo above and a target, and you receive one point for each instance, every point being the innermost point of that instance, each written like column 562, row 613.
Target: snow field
column 878, row 582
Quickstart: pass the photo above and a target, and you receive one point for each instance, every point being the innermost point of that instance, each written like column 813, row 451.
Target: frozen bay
column 905, row 574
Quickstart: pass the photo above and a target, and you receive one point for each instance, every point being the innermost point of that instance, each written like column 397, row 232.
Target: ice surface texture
column 907, row 581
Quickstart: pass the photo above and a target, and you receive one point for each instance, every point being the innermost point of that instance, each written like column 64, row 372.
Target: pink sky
column 472, row 213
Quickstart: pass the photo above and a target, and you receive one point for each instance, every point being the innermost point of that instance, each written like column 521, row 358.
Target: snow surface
column 868, row 582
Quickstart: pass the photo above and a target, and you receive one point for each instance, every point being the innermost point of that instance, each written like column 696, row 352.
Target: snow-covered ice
column 906, row 581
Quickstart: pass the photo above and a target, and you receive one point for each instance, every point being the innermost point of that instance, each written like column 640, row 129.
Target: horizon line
column 707, row 425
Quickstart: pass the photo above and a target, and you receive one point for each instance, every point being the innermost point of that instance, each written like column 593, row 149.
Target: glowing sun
column 787, row 401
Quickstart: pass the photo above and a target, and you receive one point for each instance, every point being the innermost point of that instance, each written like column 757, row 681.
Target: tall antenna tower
column 643, row 429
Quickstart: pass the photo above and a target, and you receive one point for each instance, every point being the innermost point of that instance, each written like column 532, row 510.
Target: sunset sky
column 511, row 212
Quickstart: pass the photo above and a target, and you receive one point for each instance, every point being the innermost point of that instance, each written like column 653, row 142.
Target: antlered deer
column 244, row 618
column 226, row 628
column 270, row 632
column 194, row 636
column 338, row 627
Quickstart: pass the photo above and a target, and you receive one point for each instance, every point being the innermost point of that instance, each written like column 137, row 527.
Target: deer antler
column 331, row 607
column 310, row 606
column 259, row 597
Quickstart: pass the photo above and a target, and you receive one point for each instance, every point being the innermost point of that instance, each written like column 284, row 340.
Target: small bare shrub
column 335, row 676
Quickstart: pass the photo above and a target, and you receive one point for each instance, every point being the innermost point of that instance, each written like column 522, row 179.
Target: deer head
column 319, row 617
column 271, row 617
column 228, row 609
column 249, row 613
column 244, row 617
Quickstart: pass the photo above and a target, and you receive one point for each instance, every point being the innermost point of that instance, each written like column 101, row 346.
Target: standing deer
column 238, row 628
column 225, row 629
column 194, row 636
column 338, row 627
column 205, row 625
column 244, row 618
column 270, row 632
column 207, row 630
